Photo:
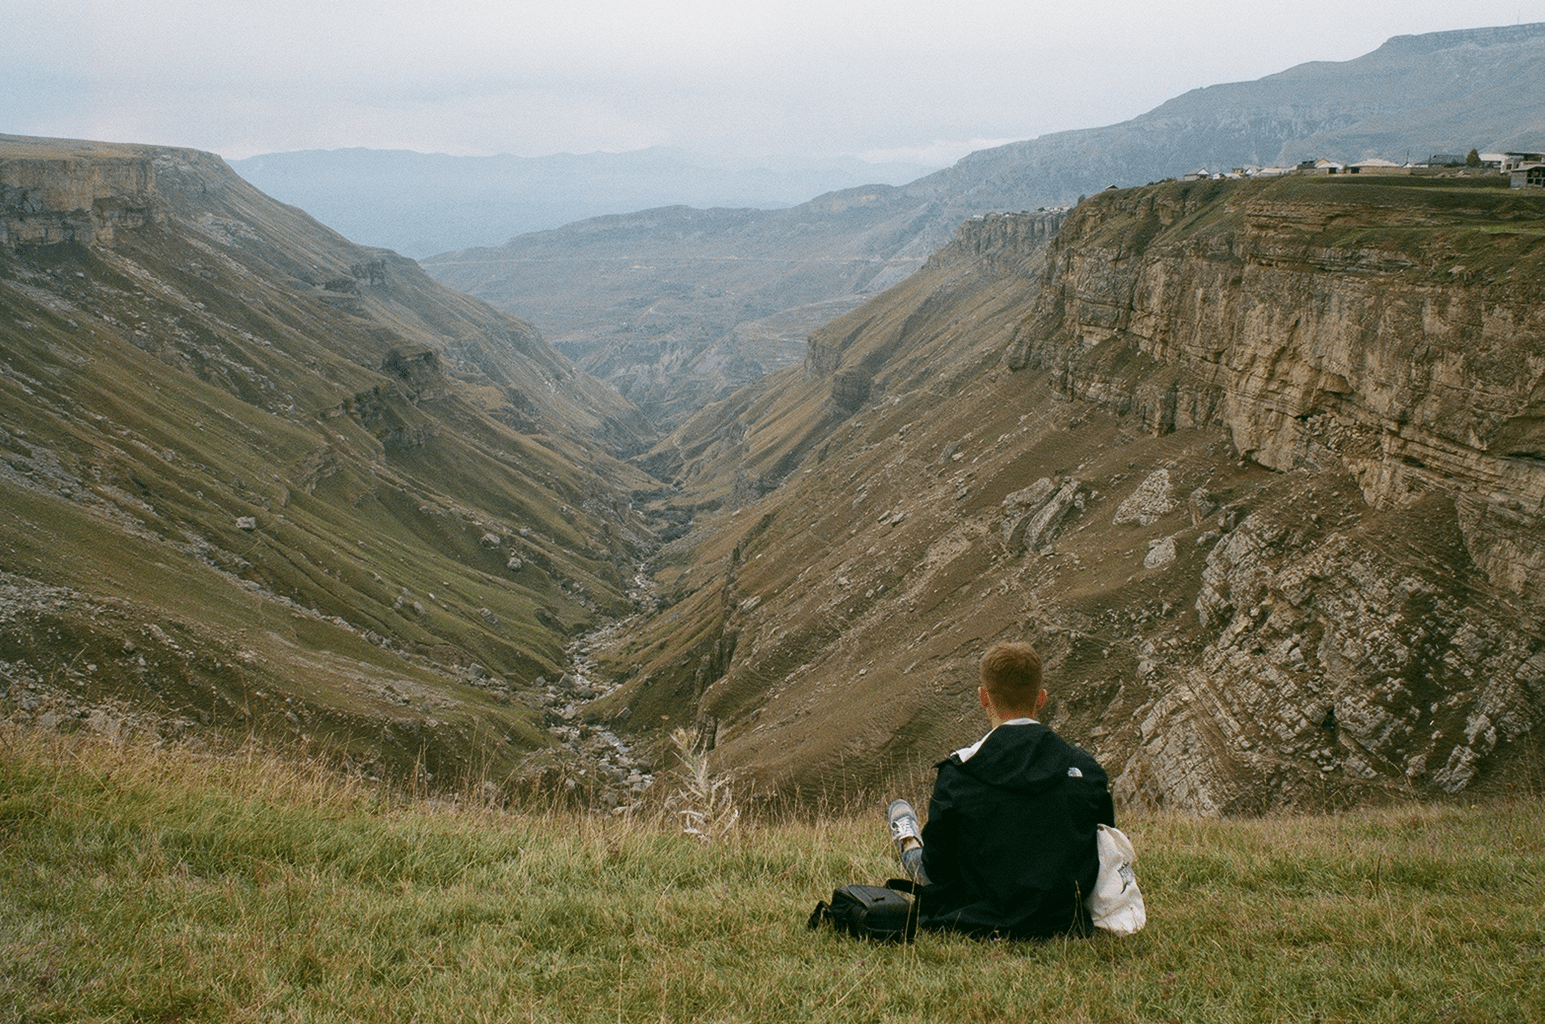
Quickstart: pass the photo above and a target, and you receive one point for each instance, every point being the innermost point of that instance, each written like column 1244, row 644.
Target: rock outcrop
column 54, row 197
column 1253, row 464
column 1033, row 517
column 1380, row 331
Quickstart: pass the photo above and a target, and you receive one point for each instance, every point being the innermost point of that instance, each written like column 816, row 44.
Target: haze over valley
column 420, row 204
column 680, row 305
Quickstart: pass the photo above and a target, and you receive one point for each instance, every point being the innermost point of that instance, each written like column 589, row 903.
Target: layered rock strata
column 1393, row 333
column 1262, row 491
column 1399, row 337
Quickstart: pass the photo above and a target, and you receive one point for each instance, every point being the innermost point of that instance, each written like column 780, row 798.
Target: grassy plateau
column 158, row 885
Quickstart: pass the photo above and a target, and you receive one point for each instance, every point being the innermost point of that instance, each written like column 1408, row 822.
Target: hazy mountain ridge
column 647, row 300
column 425, row 203
column 257, row 477
column 1248, row 461
column 1437, row 93
column 587, row 284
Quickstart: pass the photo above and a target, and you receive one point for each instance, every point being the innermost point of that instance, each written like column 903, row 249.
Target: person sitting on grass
column 1009, row 848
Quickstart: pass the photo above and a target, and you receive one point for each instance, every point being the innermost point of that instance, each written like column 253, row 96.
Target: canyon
column 1252, row 463
column 1256, row 465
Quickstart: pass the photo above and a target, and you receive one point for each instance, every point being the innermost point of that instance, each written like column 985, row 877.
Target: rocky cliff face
column 50, row 198
column 1253, row 464
column 1001, row 243
column 1390, row 329
column 1390, row 332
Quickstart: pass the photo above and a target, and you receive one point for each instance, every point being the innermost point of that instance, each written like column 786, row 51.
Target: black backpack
column 885, row 912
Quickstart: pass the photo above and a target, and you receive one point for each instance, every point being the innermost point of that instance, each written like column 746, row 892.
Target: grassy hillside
column 246, row 483
column 162, row 886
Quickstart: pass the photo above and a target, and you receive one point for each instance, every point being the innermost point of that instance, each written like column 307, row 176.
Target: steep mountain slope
column 667, row 304
column 424, row 203
column 257, row 477
column 1254, row 463
column 677, row 304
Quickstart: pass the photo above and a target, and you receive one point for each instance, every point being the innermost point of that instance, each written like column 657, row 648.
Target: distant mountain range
column 677, row 306
column 424, row 203
column 1443, row 92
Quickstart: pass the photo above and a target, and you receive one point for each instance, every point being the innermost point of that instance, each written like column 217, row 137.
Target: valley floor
column 138, row 884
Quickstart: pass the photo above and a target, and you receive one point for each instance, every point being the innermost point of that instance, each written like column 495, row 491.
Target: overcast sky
column 798, row 79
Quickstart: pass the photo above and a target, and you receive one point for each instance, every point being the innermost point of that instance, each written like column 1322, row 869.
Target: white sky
column 799, row 79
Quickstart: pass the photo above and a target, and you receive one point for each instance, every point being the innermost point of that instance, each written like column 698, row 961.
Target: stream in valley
column 591, row 761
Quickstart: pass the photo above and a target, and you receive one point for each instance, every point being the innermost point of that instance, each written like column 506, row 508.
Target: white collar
column 966, row 753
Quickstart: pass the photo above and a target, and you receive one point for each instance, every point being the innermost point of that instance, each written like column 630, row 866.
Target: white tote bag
column 1116, row 905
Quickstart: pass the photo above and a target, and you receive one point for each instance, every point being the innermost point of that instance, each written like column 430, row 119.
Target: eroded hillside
column 258, row 478
column 1254, row 464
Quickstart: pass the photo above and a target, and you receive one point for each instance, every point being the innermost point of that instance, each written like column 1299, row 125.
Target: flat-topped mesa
column 1432, row 42
column 1395, row 328
column 59, row 190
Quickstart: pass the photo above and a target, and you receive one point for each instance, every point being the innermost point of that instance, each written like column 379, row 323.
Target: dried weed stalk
column 704, row 801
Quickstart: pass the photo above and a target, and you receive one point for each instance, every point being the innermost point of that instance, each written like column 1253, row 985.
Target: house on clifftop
column 1320, row 166
column 1375, row 166
column 1525, row 170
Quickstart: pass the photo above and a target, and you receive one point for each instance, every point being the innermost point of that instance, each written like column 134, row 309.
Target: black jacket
column 1009, row 847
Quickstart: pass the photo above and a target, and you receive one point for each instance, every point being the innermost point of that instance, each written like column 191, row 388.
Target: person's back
column 1009, row 848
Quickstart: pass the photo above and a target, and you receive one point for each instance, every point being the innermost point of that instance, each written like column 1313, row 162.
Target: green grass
column 140, row 885
column 1432, row 224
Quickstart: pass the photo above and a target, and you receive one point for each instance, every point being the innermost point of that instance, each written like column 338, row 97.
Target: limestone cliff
column 73, row 200
column 1263, row 490
column 1393, row 331
column 1394, row 328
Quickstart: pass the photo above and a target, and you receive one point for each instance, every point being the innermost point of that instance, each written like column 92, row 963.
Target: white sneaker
column 903, row 822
